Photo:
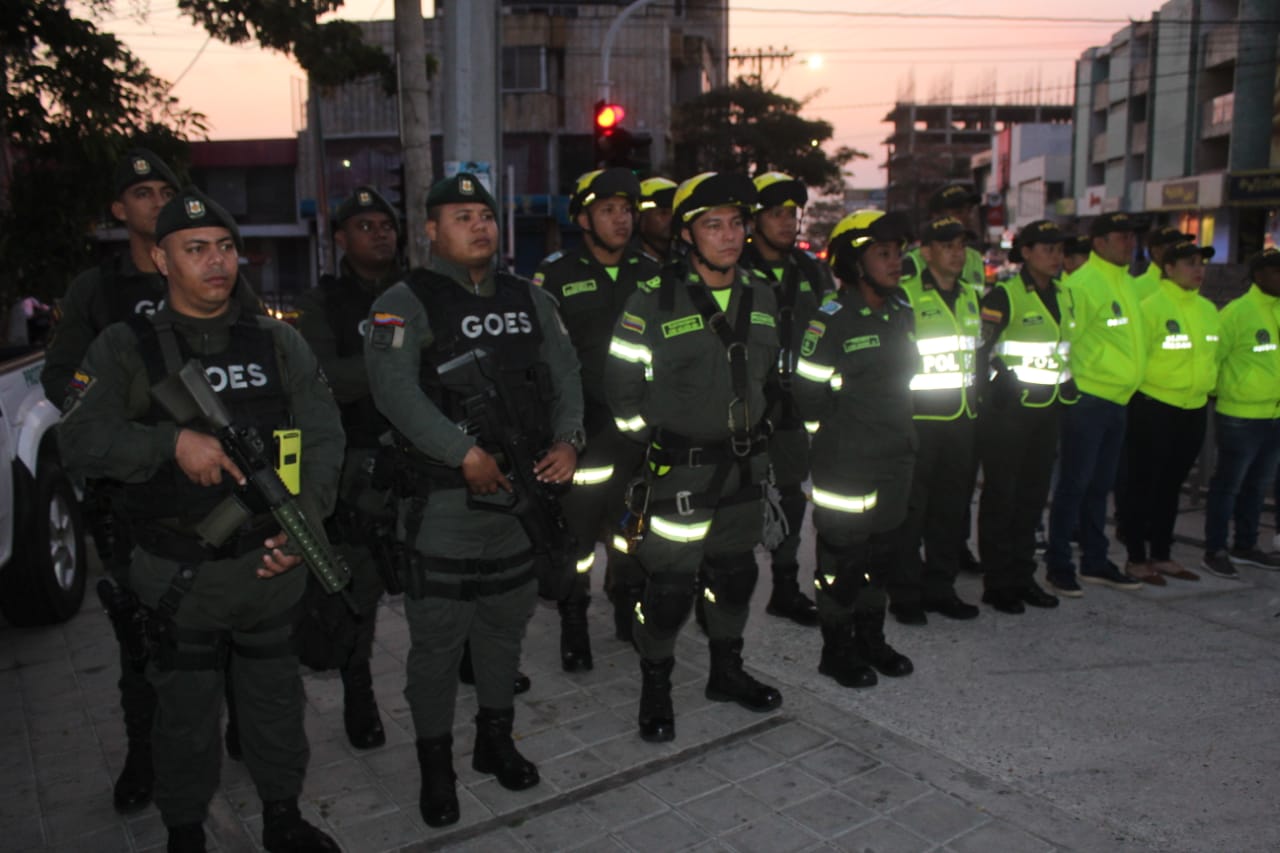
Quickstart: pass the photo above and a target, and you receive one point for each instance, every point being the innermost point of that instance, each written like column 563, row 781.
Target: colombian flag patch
column 632, row 323
column 80, row 382
column 990, row 315
column 382, row 319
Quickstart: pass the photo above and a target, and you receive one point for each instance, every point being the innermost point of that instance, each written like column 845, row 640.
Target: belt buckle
column 683, row 505
column 695, row 457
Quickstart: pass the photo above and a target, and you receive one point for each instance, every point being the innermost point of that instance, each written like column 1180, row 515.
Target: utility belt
column 471, row 582
column 169, row 540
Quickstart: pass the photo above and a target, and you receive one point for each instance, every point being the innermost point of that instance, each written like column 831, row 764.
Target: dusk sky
column 866, row 61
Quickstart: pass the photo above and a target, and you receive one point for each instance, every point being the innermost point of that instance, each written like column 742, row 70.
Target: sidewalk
column 1120, row 721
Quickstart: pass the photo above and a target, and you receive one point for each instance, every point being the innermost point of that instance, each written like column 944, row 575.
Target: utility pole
column 472, row 99
column 758, row 58
column 415, row 126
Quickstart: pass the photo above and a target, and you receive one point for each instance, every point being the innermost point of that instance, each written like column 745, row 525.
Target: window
column 524, row 69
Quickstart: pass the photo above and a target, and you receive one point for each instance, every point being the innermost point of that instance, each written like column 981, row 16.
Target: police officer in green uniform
column 947, row 329
column 1025, row 323
column 332, row 319
column 209, row 603
column 653, row 224
column 799, row 284
column 687, row 371
column 591, row 285
column 470, row 572
column 853, row 381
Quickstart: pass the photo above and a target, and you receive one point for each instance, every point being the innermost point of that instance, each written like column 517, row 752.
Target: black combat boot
column 575, row 644
column 625, row 599
column 869, row 643
column 467, row 673
column 359, row 708
column 729, row 682
column 496, row 753
column 284, row 830
column 840, row 658
column 438, row 799
column 187, row 838
column 137, row 778
column 787, row 601
column 657, row 718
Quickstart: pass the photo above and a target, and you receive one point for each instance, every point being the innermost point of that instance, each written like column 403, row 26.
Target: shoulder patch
column 386, row 331
column 80, row 382
column 831, row 308
column 991, row 315
column 812, row 334
column 632, row 323
column 539, row 277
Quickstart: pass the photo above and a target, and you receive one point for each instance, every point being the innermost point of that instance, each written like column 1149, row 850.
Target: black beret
column 364, row 199
column 462, row 188
column 191, row 208
column 138, row 165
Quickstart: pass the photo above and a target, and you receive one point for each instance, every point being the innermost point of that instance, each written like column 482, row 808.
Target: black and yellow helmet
column 858, row 230
column 703, row 192
column 657, row 192
column 778, row 189
column 603, row 183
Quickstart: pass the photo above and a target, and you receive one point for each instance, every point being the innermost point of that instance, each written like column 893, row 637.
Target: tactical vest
column 346, row 307
column 119, row 296
column 943, row 387
column 505, row 325
column 246, row 376
column 1032, row 346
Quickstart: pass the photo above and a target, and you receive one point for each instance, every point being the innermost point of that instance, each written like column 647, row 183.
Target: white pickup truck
column 43, row 561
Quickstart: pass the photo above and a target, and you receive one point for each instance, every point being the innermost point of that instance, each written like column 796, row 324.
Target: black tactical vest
column 246, row 376
column 346, row 307
column 120, row 296
column 505, row 324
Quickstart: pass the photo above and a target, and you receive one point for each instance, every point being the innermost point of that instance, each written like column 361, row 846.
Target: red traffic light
column 609, row 116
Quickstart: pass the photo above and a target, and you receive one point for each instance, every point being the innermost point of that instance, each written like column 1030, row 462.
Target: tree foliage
column 746, row 128
column 332, row 52
column 74, row 99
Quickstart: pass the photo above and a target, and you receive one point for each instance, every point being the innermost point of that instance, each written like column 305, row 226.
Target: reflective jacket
column 1249, row 363
column 1108, row 354
column 1033, row 344
column 1181, row 329
column 944, row 385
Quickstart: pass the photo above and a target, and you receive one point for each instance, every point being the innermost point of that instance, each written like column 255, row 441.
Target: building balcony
column 1140, row 78
column 1138, row 138
column 1221, row 45
column 1101, row 95
column 1217, row 116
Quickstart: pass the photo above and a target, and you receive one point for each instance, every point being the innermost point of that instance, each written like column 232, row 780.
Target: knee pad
column 731, row 578
column 666, row 602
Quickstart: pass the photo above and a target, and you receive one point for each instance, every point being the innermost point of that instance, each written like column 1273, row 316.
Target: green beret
column 365, row 200
column 462, row 188
column 138, row 165
column 191, row 208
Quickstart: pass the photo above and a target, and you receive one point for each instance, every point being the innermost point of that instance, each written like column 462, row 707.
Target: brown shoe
column 1174, row 570
column 1144, row 572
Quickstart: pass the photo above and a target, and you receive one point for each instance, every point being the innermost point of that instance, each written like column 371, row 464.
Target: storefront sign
column 1254, row 188
column 1180, row 194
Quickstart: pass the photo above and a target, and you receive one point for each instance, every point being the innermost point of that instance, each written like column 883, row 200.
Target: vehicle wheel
column 44, row 582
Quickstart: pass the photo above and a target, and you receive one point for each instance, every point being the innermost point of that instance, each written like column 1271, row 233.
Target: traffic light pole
column 606, row 52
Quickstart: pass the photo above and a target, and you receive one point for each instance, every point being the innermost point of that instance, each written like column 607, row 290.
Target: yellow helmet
column 657, row 192
column 702, row 192
column 778, row 189
column 603, row 183
column 862, row 228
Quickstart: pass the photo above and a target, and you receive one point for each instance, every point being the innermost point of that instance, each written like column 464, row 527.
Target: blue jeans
column 1248, row 452
column 1092, row 437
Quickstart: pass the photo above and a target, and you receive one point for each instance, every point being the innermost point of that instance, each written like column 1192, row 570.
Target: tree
column 746, row 128
column 74, row 98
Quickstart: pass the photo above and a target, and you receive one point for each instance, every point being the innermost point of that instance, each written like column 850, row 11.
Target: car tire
column 44, row 582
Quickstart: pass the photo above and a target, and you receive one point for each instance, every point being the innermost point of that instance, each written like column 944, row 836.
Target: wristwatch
column 576, row 439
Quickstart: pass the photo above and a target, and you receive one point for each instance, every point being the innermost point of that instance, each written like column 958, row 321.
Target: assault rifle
column 491, row 416
column 188, row 396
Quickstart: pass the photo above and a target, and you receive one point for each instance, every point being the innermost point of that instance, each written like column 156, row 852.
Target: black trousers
column 1017, row 445
column 1161, row 445
column 940, row 490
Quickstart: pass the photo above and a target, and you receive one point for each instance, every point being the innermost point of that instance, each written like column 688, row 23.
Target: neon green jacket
column 1108, row 354
column 1181, row 328
column 1249, row 363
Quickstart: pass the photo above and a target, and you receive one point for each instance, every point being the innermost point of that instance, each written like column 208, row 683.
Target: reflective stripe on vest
column 1031, row 345
column 629, row 352
column 844, row 503
column 676, row 532
column 592, row 476
column 635, row 424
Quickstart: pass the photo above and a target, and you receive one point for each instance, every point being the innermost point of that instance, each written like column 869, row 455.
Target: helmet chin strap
column 697, row 253
column 782, row 250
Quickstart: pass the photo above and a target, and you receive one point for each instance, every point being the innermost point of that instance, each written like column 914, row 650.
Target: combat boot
column 787, row 601
column 438, row 799
column 729, row 682
column 360, row 708
column 496, row 753
column 870, row 645
column 467, row 673
column 284, row 830
column 839, row 657
column 187, row 838
column 575, row 643
column 657, row 717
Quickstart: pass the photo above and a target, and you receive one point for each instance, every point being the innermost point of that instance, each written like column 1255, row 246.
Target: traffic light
column 612, row 141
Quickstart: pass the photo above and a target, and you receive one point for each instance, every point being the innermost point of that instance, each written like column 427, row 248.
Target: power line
column 191, row 64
